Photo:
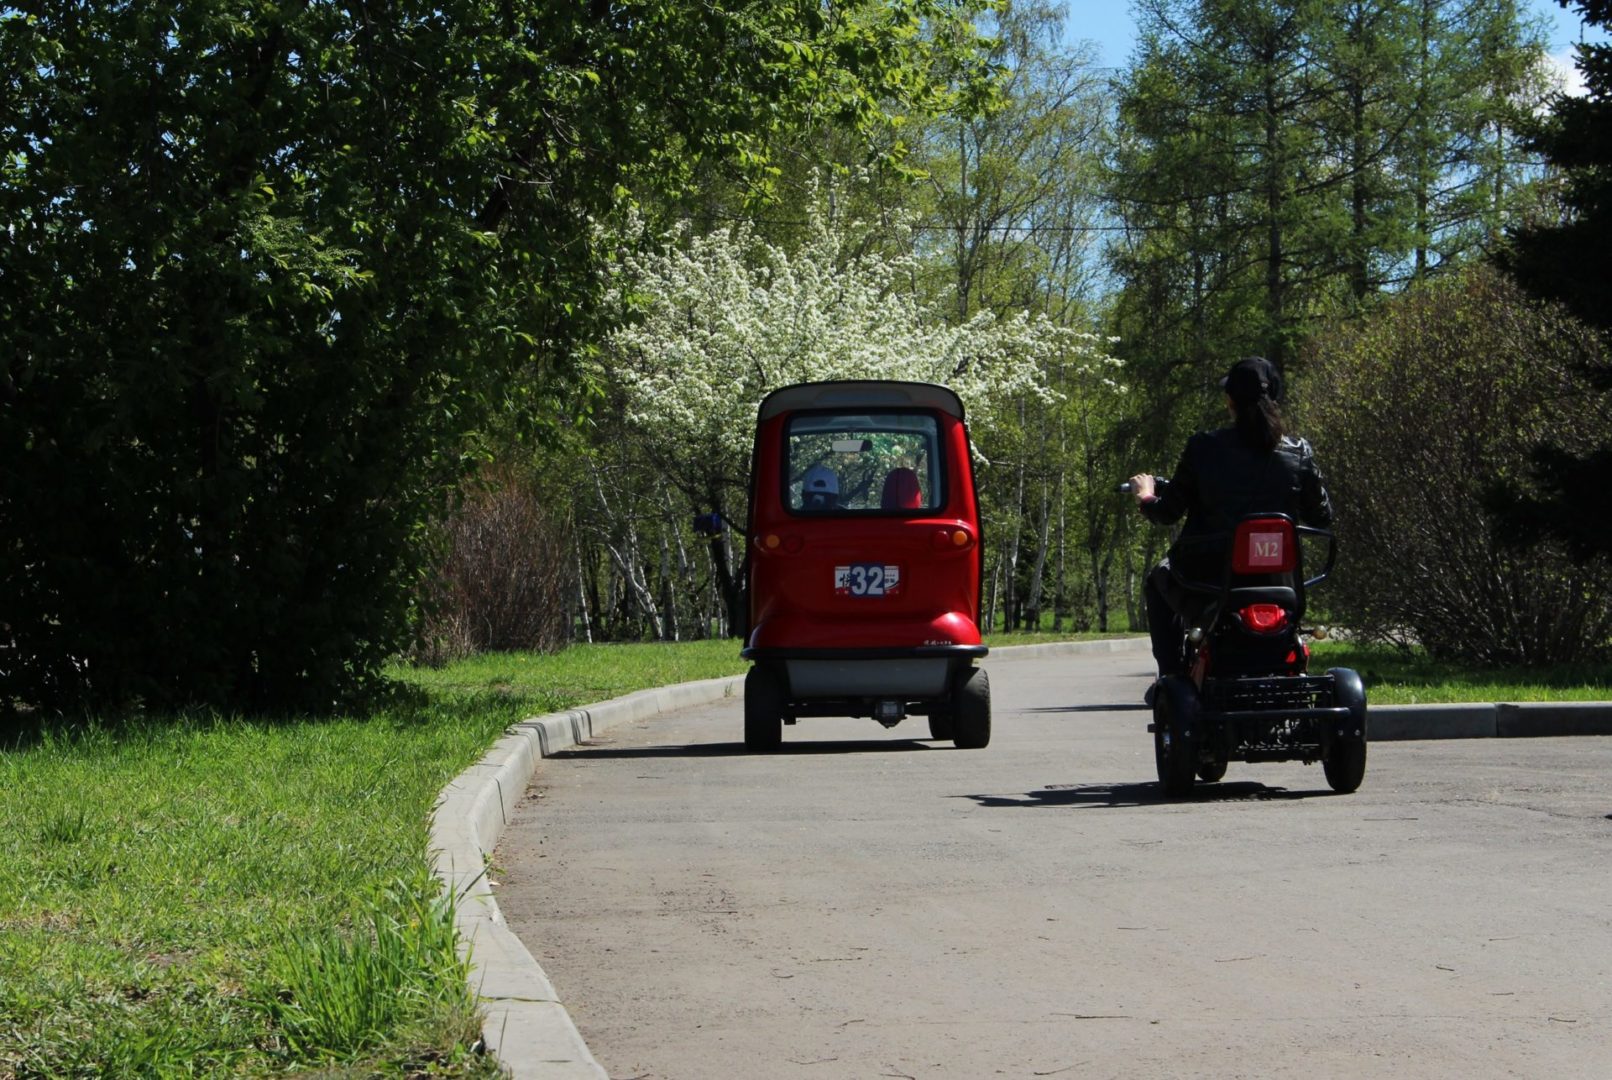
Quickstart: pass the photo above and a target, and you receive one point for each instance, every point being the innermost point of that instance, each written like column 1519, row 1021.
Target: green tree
column 1475, row 74
column 1281, row 158
column 1566, row 260
column 268, row 270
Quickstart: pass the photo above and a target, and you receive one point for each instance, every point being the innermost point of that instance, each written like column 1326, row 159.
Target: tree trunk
column 1033, row 614
column 1010, row 606
column 582, row 600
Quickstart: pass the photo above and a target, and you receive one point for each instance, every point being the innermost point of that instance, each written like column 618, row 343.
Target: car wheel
column 971, row 715
column 763, row 710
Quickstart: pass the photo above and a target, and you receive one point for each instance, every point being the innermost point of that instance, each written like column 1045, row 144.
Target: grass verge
column 1395, row 677
column 205, row 895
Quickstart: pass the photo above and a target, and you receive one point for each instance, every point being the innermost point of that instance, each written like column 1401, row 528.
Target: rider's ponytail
column 1260, row 422
column 1254, row 386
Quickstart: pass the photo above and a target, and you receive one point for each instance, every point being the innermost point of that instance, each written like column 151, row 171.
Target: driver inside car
column 1253, row 466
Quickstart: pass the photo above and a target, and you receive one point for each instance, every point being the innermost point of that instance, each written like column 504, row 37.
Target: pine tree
column 1566, row 261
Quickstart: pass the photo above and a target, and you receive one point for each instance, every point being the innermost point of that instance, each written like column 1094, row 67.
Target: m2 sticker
column 1265, row 551
column 867, row 579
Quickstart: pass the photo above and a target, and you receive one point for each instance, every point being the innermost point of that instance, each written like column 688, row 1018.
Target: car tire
column 971, row 713
column 942, row 724
column 763, row 710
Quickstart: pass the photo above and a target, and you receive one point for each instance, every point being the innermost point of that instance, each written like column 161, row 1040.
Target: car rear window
column 863, row 463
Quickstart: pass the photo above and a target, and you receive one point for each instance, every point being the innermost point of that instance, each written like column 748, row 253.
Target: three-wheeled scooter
column 1249, row 694
column 864, row 562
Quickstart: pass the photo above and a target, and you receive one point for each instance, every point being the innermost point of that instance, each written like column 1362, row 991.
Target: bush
column 504, row 582
column 1416, row 412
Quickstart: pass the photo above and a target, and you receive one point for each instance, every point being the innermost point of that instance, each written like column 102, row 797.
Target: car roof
column 860, row 394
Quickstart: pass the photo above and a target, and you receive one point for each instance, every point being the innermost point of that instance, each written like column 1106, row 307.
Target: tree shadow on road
column 1076, row 796
column 737, row 749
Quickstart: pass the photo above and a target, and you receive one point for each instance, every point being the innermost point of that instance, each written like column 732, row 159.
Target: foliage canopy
column 267, row 271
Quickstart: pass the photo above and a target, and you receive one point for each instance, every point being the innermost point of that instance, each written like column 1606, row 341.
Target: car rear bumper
column 913, row 672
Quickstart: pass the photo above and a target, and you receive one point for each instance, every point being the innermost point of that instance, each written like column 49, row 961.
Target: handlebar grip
column 1124, row 486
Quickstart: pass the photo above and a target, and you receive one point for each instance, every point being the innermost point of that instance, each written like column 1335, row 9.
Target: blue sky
column 1109, row 24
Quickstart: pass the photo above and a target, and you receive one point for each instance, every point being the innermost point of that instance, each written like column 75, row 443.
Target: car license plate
column 867, row 579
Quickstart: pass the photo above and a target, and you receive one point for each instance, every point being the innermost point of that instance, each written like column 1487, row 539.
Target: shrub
column 1417, row 411
column 504, row 581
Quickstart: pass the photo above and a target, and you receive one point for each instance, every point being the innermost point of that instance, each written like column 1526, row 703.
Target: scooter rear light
column 1263, row 618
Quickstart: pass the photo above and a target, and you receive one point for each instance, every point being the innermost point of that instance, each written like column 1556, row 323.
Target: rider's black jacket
column 1221, row 479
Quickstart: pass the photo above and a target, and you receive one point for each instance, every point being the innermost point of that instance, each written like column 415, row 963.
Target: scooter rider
column 1254, row 466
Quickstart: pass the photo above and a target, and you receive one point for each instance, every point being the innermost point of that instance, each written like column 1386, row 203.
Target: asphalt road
column 867, row 904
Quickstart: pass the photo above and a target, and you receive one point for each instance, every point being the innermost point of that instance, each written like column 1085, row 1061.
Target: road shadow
column 1127, row 707
column 737, row 749
column 1078, row 796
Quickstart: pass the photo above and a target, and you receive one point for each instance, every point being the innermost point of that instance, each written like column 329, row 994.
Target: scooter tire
column 1345, row 764
column 1176, row 718
column 763, row 711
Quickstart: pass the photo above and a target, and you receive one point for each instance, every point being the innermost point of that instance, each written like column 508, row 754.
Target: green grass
column 160, row 879
column 1394, row 677
column 200, row 895
column 580, row 675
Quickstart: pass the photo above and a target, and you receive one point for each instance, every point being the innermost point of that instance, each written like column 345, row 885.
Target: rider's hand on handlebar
column 1142, row 487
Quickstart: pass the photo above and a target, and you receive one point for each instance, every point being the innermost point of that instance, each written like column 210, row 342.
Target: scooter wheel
column 1176, row 717
column 971, row 716
column 1345, row 764
column 763, row 710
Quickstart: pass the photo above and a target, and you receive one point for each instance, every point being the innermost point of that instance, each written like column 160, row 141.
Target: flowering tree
column 726, row 318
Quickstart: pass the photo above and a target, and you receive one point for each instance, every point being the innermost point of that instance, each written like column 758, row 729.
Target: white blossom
column 727, row 318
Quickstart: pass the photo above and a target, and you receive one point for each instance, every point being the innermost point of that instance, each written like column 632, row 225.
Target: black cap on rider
column 1252, row 378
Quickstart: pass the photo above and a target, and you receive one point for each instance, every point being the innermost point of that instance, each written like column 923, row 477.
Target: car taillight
column 952, row 539
column 789, row 543
column 1263, row 618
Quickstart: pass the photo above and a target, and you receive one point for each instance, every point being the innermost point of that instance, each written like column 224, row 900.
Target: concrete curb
column 526, row 1026
column 1496, row 720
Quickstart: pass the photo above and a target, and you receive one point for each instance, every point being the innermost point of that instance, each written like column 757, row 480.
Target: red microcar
column 864, row 562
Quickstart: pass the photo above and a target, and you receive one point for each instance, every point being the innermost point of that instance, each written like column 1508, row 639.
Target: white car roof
column 861, row 394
